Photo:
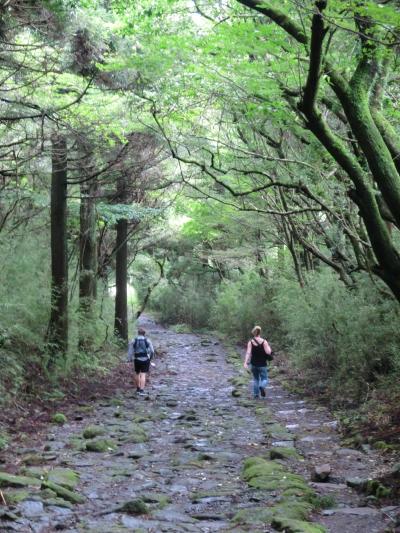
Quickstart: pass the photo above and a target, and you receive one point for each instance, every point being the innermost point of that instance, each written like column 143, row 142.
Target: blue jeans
column 260, row 378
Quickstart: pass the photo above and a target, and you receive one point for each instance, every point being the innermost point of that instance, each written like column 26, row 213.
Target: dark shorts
column 142, row 366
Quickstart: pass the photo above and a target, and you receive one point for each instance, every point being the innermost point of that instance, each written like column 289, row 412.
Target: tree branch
column 279, row 17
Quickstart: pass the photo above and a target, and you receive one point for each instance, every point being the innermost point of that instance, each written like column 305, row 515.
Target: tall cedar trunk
column 87, row 263
column 121, row 281
column 58, row 325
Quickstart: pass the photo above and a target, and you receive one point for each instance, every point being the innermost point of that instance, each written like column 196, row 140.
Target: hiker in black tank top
column 257, row 352
column 258, row 355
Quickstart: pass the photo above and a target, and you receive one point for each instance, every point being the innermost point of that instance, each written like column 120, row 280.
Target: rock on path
column 172, row 461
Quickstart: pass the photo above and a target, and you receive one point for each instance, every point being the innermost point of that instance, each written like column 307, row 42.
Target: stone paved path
column 188, row 473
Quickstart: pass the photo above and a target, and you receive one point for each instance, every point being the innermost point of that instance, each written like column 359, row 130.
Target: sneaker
column 262, row 392
column 141, row 392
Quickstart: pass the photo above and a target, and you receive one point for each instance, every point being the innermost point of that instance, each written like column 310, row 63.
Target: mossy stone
column 38, row 472
column 134, row 507
column 296, row 526
column 90, row 432
column 253, row 515
column 284, row 453
column 381, row 445
column 136, row 435
column 59, row 418
column 13, row 497
column 9, row 480
column 278, row 432
column 121, row 472
column 236, row 393
column 265, row 413
column 372, row 487
column 8, row 515
column 196, row 496
column 47, row 493
column 141, row 418
column 257, row 466
column 58, row 502
column 77, row 443
column 85, row 408
column 327, row 501
column 238, row 381
column 375, row 488
column 116, row 402
column 100, row 445
column 32, row 459
column 292, row 508
column 305, row 493
column 63, row 476
column 275, row 484
column 269, row 475
column 63, row 493
column 159, row 499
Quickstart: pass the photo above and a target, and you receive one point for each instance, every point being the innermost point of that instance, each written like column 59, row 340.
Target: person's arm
column 267, row 347
column 247, row 356
column 150, row 349
column 130, row 356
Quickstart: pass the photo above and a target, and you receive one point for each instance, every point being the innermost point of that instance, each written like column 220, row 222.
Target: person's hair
column 141, row 331
column 256, row 331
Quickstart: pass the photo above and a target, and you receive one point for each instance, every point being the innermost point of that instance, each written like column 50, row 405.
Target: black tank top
column 258, row 355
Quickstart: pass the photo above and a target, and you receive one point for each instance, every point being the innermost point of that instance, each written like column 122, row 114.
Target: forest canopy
column 217, row 163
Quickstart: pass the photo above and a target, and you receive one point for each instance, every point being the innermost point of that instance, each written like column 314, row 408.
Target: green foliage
column 111, row 213
column 24, row 308
column 344, row 338
column 12, row 375
column 4, row 439
column 24, row 311
column 327, row 501
column 144, row 273
column 177, row 304
column 240, row 305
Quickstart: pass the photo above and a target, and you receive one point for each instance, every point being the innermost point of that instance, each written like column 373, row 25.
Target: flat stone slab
column 358, row 511
column 30, row 508
column 199, row 438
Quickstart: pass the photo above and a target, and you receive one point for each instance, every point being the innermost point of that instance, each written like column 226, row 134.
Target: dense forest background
column 219, row 163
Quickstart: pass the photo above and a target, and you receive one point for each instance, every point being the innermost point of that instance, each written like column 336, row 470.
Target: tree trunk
column 58, row 325
column 87, row 264
column 121, row 281
column 378, row 148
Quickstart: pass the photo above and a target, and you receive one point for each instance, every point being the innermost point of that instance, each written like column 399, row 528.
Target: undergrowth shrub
column 24, row 318
column 342, row 339
column 189, row 303
column 24, row 308
column 24, row 299
column 242, row 303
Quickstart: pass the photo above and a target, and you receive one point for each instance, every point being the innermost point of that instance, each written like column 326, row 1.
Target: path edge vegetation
column 277, row 201
column 296, row 501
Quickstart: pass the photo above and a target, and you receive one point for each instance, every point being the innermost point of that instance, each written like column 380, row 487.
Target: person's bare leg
column 137, row 380
column 142, row 380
